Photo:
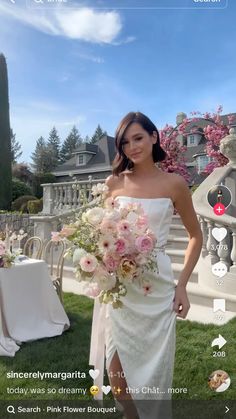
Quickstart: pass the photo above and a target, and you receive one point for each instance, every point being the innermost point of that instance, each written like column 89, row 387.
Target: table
column 29, row 306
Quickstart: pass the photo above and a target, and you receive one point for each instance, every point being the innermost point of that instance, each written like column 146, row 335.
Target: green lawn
column 70, row 352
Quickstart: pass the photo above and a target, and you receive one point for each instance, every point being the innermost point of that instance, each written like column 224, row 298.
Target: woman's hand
column 181, row 302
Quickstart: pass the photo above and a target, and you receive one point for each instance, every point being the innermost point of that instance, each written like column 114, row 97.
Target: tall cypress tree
column 70, row 144
column 53, row 146
column 97, row 134
column 5, row 140
column 41, row 157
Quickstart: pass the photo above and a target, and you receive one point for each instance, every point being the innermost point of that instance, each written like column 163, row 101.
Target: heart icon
column 106, row 389
column 94, row 373
column 219, row 233
column 219, row 269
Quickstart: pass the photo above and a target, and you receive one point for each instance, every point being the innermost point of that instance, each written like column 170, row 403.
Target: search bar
column 131, row 4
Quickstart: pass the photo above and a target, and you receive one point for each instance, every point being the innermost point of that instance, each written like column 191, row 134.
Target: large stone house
column 88, row 160
column 95, row 160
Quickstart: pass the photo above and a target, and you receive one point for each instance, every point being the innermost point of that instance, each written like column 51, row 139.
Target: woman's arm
column 184, row 206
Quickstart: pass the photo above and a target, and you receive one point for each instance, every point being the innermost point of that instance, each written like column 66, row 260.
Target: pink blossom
column 147, row 288
column 88, row 263
column 111, row 262
column 106, row 243
column 123, row 227
column 110, row 203
column 121, row 246
column 144, row 244
column 55, row 236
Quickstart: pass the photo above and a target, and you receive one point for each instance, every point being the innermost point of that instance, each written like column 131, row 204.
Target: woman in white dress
column 139, row 338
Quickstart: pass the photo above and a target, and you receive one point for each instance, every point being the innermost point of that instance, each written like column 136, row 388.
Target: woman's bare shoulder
column 174, row 179
column 174, row 184
column 113, row 182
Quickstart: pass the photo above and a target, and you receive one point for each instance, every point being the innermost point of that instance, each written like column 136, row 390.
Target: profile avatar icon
column 219, row 381
column 219, row 198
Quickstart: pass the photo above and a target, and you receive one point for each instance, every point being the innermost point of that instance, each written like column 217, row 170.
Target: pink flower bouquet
column 112, row 246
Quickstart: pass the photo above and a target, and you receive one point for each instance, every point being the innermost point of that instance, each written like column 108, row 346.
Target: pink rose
column 121, row 246
column 144, row 244
column 111, row 262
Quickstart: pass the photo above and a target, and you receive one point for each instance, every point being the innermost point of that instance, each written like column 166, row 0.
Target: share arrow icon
column 220, row 341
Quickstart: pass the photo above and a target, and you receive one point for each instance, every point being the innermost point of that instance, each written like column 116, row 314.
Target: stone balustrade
column 219, row 251
column 212, row 250
column 65, row 196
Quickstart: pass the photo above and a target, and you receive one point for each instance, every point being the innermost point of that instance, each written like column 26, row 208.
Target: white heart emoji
column 94, row 373
column 106, row 389
column 219, row 233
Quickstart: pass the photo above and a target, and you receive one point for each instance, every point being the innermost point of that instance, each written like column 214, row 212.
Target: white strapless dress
column 143, row 330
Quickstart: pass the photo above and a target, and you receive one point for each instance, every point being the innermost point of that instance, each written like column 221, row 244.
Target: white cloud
column 127, row 40
column 85, row 24
column 90, row 25
column 93, row 58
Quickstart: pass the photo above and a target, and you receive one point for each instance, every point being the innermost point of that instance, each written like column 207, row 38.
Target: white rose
column 95, row 215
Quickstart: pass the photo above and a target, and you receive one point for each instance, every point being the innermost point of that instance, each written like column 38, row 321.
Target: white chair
column 53, row 255
column 33, row 247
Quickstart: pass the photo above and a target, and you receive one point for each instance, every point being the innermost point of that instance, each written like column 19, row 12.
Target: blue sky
column 87, row 65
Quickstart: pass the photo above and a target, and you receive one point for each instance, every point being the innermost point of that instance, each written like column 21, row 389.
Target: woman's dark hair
column 121, row 162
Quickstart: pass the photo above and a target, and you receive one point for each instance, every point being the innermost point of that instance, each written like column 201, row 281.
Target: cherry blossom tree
column 175, row 160
column 214, row 131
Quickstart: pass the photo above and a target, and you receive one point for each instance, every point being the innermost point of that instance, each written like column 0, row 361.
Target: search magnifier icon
column 11, row 409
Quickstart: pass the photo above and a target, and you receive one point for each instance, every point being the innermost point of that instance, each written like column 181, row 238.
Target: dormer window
column 191, row 140
column 80, row 160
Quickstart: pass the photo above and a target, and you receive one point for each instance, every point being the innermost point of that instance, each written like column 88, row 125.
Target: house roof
column 83, row 147
column 202, row 123
column 105, row 153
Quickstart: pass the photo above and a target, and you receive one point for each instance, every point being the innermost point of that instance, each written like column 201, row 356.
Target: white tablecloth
column 29, row 306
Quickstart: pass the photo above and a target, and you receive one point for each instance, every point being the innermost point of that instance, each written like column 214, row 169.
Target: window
column 81, row 159
column 202, row 162
column 191, row 140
